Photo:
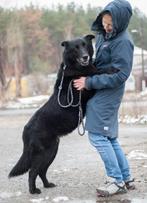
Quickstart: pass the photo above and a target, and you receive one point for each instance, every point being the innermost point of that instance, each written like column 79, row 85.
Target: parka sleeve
column 121, row 59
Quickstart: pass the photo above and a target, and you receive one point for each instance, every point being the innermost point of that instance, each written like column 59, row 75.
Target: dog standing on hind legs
column 56, row 117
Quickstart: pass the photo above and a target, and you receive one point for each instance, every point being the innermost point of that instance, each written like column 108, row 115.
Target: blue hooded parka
column 115, row 51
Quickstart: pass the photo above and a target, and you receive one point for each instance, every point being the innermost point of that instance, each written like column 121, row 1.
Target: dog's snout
column 85, row 58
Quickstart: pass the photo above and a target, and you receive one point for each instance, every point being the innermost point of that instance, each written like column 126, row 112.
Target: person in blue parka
column 114, row 48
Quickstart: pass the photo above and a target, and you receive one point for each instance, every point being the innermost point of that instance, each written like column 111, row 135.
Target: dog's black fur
column 41, row 134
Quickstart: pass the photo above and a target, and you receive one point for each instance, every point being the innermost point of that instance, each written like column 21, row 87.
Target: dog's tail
column 22, row 166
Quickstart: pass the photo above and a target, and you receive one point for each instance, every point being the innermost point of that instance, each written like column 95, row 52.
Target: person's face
column 107, row 23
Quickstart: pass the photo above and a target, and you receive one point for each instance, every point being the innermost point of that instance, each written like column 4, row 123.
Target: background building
column 139, row 71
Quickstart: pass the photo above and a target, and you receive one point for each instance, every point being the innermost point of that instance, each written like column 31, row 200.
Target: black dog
column 59, row 115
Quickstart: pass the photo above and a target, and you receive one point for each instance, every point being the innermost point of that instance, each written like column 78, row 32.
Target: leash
column 70, row 99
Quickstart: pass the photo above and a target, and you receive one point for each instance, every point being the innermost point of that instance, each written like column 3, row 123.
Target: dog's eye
column 77, row 47
column 83, row 44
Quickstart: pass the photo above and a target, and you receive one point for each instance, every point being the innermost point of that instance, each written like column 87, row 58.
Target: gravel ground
column 77, row 169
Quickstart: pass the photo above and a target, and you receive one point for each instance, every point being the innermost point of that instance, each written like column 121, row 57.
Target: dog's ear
column 64, row 44
column 89, row 37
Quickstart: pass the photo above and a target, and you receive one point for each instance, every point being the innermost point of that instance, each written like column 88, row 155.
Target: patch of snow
column 27, row 102
column 66, row 170
column 82, row 201
column 17, row 194
column 37, row 200
column 137, row 154
column 62, row 170
column 61, row 198
column 143, row 93
column 139, row 200
column 6, row 195
column 37, row 101
column 127, row 119
column 17, row 105
column 56, row 171
column 31, row 100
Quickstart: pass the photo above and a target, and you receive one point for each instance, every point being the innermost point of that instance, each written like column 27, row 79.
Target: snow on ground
column 39, row 200
column 37, row 101
column 61, row 198
column 137, row 154
column 144, row 93
column 140, row 119
column 6, row 195
column 27, row 102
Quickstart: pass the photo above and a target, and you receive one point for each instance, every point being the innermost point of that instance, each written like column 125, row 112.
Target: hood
column 121, row 12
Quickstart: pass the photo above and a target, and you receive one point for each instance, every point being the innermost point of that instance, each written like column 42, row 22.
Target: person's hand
column 79, row 84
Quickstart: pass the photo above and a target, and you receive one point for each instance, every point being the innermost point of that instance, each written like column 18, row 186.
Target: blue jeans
column 114, row 159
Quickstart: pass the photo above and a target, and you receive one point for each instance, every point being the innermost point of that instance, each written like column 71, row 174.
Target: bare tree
column 4, row 84
column 15, row 48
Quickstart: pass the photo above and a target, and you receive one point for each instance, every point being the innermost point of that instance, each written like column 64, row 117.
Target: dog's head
column 78, row 51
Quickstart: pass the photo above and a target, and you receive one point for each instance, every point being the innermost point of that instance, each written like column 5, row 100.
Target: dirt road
column 77, row 169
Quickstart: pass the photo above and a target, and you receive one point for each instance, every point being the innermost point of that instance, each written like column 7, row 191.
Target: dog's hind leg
column 44, row 179
column 32, row 182
column 34, row 171
column 50, row 155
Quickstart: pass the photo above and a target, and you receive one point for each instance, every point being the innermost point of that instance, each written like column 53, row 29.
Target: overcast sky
column 141, row 4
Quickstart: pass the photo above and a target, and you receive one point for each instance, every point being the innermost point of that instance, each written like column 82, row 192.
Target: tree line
column 30, row 38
